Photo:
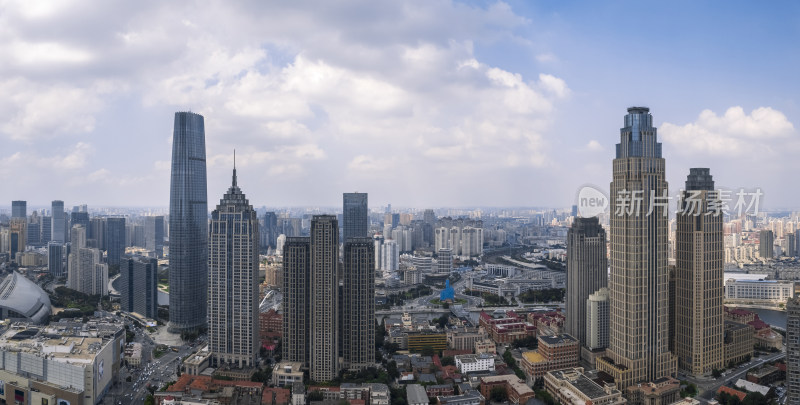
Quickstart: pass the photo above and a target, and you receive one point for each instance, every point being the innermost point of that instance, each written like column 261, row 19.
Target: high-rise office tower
column 115, row 241
column 188, row 225
column 34, row 229
column 429, row 217
column 269, row 231
column 597, row 323
column 638, row 347
column 233, row 281
column 17, row 236
column 355, row 220
column 390, row 255
column 58, row 231
column 154, row 234
column 793, row 351
column 79, row 218
column 97, row 232
column 86, row 273
column 358, row 312
column 324, row 293
column 46, row 229
column 19, row 209
column 587, row 272
column 790, row 245
column 378, row 241
column 766, row 242
column 139, row 290
column 55, row 259
column 699, row 324
column 444, row 261
column 77, row 237
column 296, row 299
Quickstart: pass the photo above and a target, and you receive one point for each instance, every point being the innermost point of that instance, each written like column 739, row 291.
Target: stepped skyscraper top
column 638, row 135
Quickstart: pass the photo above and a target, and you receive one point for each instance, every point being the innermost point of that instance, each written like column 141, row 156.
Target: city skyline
column 376, row 92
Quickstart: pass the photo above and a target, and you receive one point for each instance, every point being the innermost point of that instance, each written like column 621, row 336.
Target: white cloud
column 594, row 145
column 291, row 86
column 734, row 133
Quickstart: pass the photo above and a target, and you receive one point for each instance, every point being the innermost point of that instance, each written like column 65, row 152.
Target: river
column 770, row 316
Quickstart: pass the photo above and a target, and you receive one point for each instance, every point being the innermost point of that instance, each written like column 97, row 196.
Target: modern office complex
column 188, row 225
column 115, row 240
column 233, row 281
column 58, row 222
column 139, row 289
column 355, row 217
column 154, row 234
column 587, row 272
column 638, row 347
column 19, row 209
column 358, row 313
column 699, row 324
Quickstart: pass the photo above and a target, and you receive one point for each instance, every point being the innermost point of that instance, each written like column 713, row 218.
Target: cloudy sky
column 420, row 103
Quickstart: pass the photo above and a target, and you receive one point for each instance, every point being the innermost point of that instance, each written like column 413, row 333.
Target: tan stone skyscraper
column 698, row 277
column 233, row 281
column 638, row 347
column 324, row 298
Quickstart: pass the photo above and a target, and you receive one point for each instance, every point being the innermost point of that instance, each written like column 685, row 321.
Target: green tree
column 716, row 373
column 315, row 395
column 391, row 369
column 448, row 361
column 428, row 351
column 149, row 400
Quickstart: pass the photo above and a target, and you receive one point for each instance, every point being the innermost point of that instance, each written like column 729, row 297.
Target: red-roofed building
column 508, row 328
column 275, row 396
column 271, row 326
column 731, row 391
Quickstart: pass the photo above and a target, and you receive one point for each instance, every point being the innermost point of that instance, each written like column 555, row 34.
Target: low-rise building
column 287, row 373
column 572, row 387
column 485, row 346
column 196, row 363
column 470, row 363
column 506, row 327
column 758, row 291
column 662, row 391
column 464, row 338
column 738, row 342
column 766, row 375
column 554, row 353
column 73, row 361
column 419, row 340
column 416, row 395
column 133, row 354
column 517, row 391
column 471, row 397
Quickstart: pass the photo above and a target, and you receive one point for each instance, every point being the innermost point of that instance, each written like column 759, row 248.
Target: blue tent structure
column 448, row 294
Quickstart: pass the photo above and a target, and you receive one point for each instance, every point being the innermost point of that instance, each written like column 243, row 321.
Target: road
column 711, row 385
column 155, row 372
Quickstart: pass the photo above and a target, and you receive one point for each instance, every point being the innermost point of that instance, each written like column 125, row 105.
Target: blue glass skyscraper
column 188, row 225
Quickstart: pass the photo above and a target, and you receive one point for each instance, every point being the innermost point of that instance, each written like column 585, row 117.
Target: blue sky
column 421, row 103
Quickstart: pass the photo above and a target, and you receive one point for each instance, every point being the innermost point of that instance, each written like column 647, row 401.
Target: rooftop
column 558, row 339
column 533, row 356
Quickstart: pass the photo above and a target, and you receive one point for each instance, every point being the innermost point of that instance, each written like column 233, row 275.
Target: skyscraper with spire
column 638, row 348
column 233, row 247
column 188, row 225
